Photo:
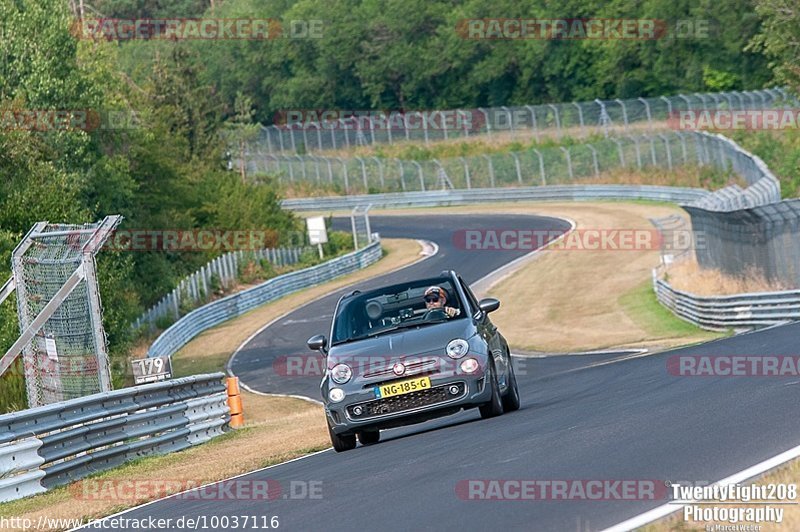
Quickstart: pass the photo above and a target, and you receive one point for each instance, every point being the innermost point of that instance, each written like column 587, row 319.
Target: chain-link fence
column 62, row 340
column 544, row 166
column 576, row 119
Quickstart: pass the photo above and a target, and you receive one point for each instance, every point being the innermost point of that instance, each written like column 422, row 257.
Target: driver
column 436, row 297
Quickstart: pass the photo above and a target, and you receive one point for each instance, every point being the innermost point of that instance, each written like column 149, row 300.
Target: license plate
column 402, row 387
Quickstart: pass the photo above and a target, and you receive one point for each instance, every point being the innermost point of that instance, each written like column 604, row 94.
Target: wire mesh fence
column 62, row 341
column 543, row 166
column 303, row 135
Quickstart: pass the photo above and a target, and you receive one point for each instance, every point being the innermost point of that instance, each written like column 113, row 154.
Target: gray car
column 411, row 352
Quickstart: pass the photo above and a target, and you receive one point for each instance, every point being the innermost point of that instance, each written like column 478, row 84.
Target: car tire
column 343, row 442
column 511, row 398
column 369, row 437
column 495, row 405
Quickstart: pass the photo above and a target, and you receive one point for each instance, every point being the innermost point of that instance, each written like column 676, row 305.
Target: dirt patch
column 688, row 276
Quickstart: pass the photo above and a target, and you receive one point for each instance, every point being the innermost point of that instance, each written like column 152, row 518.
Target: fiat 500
column 411, row 352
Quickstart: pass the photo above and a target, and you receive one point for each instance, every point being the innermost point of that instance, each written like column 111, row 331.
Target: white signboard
column 151, row 369
column 50, row 347
column 317, row 232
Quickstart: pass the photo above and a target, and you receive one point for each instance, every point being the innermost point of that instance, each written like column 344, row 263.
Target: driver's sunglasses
column 431, row 299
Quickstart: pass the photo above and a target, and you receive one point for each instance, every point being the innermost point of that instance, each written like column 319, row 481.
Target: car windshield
column 394, row 307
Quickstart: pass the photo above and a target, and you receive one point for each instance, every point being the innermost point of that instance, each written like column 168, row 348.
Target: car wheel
column 511, row 398
column 368, row 437
column 495, row 405
column 343, row 442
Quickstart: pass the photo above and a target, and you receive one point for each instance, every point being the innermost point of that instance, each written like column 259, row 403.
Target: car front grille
column 406, row 402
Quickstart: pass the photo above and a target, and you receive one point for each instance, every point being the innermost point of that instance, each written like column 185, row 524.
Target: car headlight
column 457, row 348
column 341, row 373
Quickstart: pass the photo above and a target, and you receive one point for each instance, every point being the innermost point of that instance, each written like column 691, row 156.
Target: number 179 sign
column 152, row 369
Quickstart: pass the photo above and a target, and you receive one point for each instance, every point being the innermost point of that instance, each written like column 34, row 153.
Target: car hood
column 395, row 346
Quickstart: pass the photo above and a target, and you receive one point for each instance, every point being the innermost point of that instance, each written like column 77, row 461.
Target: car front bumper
column 361, row 410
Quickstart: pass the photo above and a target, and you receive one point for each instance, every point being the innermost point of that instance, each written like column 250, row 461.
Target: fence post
column 510, row 119
column 558, row 119
column 669, row 150
column 346, row 181
column 532, row 111
column 421, row 176
column 624, row 112
column 669, row 106
column 620, row 152
column 541, row 166
column 402, row 175
column 594, row 159
column 569, row 162
column 466, row 173
column 363, row 174
column 465, row 122
column 486, row 119
column 647, row 111
column 491, row 170
column 380, row 172
column 580, row 118
column 516, row 164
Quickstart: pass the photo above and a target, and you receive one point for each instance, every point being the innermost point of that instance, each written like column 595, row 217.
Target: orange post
column 234, row 402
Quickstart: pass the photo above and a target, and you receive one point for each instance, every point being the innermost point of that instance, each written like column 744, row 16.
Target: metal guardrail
column 484, row 195
column 55, row 444
column 197, row 287
column 207, row 316
column 719, row 313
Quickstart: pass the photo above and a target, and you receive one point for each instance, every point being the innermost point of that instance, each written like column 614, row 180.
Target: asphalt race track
column 591, row 417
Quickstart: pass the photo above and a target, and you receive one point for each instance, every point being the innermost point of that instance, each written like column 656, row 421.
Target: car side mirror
column 489, row 304
column 318, row 343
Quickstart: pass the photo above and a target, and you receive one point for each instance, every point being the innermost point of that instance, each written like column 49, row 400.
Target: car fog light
column 357, row 410
column 336, row 395
column 454, row 390
column 470, row 365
